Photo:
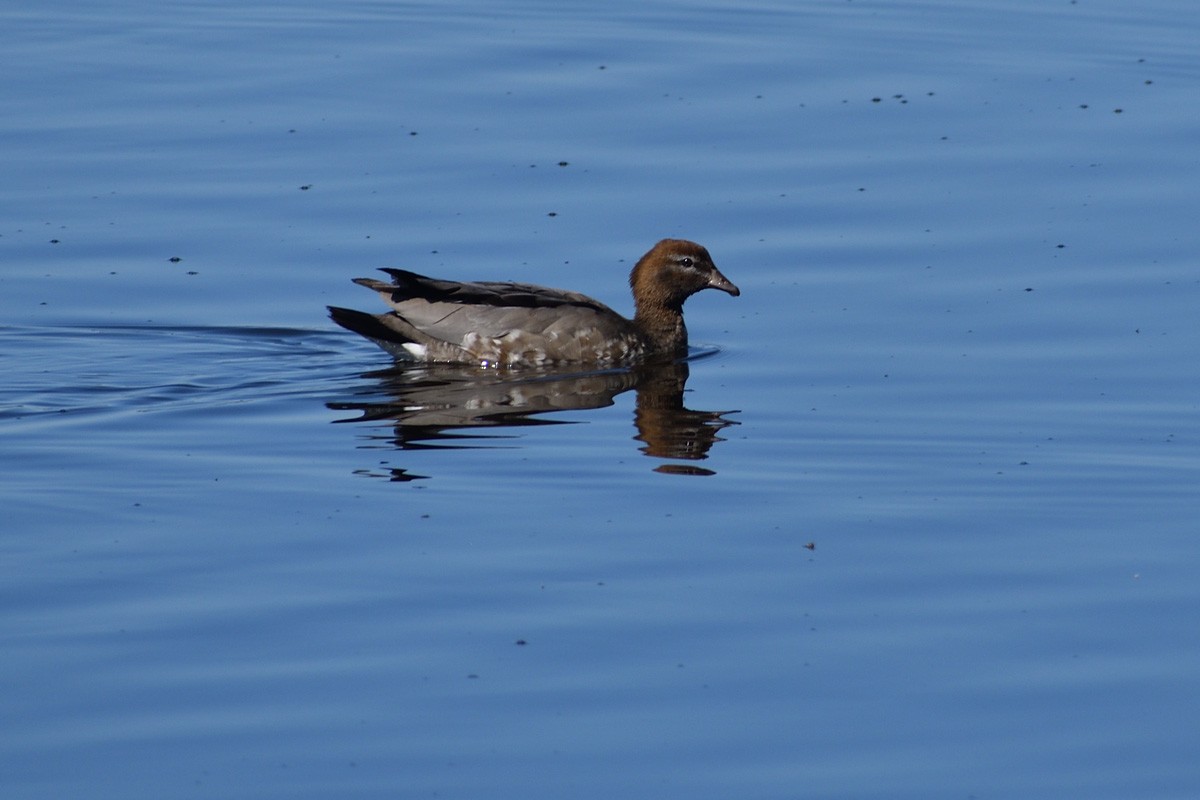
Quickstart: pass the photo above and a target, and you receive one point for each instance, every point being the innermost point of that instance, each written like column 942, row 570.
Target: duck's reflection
column 446, row 407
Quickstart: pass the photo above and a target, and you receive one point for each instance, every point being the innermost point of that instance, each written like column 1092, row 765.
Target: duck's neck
column 662, row 325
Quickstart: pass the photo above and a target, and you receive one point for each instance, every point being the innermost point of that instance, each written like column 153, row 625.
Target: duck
column 504, row 324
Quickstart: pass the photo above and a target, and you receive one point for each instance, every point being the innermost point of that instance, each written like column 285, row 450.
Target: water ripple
column 117, row 369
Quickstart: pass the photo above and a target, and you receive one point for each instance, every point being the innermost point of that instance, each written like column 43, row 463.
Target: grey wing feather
column 450, row 310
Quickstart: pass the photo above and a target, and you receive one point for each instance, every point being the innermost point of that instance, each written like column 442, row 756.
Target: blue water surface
column 916, row 521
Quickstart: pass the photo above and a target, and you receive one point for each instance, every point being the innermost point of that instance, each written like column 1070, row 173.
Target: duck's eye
column 685, row 261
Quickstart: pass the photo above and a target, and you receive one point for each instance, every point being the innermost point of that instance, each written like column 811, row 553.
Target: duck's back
column 496, row 323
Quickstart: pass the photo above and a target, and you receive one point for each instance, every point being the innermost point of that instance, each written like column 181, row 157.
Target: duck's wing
column 407, row 285
column 499, row 322
column 451, row 310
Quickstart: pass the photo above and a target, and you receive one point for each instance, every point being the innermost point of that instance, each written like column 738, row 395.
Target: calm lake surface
column 918, row 521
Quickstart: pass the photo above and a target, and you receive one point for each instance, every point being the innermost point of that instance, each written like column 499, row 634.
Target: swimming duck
column 496, row 324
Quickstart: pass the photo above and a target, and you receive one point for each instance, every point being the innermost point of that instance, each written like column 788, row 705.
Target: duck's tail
column 376, row 329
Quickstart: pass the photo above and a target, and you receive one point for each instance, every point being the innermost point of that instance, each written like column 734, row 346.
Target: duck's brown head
column 673, row 271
